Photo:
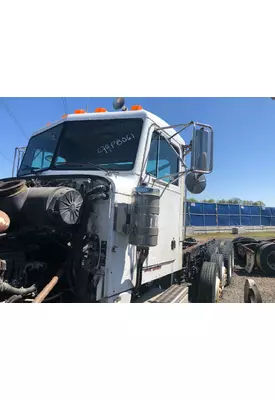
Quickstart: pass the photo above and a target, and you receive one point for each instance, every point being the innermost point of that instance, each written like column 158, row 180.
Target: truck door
column 162, row 162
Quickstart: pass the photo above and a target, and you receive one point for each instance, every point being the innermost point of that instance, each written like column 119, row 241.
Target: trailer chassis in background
column 255, row 255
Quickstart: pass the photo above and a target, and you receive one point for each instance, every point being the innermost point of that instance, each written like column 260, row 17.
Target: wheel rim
column 233, row 258
column 218, row 289
column 224, row 277
column 229, row 272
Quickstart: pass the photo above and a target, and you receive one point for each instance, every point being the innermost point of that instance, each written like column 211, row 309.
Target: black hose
column 142, row 257
column 12, row 187
column 99, row 192
column 14, row 298
column 6, row 288
column 99, row 196
column 98, row 189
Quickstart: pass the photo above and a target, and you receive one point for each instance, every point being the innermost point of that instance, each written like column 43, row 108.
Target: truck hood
column 121, row 182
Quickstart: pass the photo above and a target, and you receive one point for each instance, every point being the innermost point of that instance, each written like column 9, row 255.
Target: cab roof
column 116, row 115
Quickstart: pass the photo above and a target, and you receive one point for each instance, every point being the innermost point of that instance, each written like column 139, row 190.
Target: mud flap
column 250, row 261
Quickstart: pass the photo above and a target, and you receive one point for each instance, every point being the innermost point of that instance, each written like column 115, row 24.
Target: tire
column 227, row 247
column 219, row 260
column 256, row 250
column 208, row 283
column 246, row 239
column 225, row 244
column 265, row 258
column 229, row 265
column 212, row 248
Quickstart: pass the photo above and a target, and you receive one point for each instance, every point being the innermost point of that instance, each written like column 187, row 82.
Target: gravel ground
column 235, row 292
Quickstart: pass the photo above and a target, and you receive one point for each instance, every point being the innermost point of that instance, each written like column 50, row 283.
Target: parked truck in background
column 96, row 213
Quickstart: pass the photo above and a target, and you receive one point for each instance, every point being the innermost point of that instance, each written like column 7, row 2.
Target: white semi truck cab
column 96, row 213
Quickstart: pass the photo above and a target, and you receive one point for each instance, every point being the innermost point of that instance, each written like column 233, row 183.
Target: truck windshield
column 89, row 144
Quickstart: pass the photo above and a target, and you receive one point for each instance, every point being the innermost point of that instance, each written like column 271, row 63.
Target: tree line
column 229, row 201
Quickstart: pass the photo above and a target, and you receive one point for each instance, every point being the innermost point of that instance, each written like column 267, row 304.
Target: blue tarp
column 234, row 220
column 255, row 210
column 196, row 208
column 255, row 220
column 246, row 220
column 223, row 209
column 210, row 220
column 265, row 221
column 209, row 208
column 197, row 220
column 223, row 220
column 245, row 210
column 266, row 211
column 234, row 209
column 212, row 214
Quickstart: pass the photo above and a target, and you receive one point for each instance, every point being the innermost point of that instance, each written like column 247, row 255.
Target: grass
column 228, row 235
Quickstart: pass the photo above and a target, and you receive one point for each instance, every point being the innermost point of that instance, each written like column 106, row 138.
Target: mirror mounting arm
column 179, row 175
column 187, row 149
column 185, row 126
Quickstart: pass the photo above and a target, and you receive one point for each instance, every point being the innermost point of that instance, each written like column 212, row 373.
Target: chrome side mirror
column 202, row 149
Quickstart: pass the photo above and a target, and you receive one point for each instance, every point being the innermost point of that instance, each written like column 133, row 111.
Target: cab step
column 174, row 294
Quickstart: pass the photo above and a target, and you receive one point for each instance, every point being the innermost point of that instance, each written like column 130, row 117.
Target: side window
column 162, row 160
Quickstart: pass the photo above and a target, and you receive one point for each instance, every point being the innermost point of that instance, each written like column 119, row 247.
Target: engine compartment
column 52, row 238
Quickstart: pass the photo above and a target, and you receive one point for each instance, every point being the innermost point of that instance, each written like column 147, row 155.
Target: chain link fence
column 204, row 217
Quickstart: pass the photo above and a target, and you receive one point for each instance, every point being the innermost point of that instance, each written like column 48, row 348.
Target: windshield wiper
column 33, row 170
column 83, row 165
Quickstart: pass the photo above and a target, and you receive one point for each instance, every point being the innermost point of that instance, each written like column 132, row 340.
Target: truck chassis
column 207, row 269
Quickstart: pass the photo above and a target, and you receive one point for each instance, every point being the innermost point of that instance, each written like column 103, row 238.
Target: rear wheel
column 265, row 258
column 212, row 248
column 256, row 250
column 223, row 244
column 243, row 238
column 209, row 283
